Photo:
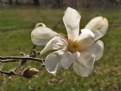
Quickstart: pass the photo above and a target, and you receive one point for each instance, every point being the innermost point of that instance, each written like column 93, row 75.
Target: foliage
column 16, row 25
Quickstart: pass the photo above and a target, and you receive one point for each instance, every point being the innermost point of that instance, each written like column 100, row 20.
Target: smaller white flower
column 81, row 50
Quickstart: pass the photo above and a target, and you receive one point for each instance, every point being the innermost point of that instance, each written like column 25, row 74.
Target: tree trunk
column 1, row 3
column 10, row 2
column 74, row 3
column 17, row 2
column 46, row 2
column 58, row 3
column 36, row 2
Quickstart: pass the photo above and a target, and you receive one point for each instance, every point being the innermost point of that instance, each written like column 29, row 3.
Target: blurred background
column 17, row 20
column 64, row 3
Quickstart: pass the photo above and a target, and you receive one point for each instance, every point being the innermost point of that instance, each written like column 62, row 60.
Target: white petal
column 55, row 43
column 84, row 65
column 98, row 26
column 52, row 62
column 86, row 38
column 71, row 20
column 87, row 32
column 98, row 49
column 67, row 59
column 42, row 34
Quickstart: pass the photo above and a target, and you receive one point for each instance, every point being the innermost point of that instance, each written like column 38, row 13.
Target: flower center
column 74, row 46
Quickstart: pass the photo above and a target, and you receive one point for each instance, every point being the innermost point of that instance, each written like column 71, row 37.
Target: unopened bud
column 30, row 72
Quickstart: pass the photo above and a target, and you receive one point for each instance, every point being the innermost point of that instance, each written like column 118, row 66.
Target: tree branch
column 28, row 72
column 19, row 58
column 9, row 73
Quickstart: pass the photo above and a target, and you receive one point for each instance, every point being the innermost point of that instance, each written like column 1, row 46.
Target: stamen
column 74, row 46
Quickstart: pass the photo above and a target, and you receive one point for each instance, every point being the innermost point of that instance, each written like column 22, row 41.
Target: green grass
column 16, row 25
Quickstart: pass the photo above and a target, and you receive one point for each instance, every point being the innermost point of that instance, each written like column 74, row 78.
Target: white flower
column 81, row 50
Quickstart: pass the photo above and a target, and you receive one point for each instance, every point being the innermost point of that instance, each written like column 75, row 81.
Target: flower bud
column 30, row 72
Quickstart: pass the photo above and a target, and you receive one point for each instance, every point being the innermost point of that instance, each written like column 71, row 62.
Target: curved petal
column 55, row 43
column 87, row 32
column 98, row 49
column 67, row 59
column 52, row 62
column 71, row 20
column 84, row 65
column 42, row 34
column 98, row 26
column 86, row 38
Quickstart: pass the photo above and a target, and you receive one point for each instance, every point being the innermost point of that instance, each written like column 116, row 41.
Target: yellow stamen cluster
column 74, row 46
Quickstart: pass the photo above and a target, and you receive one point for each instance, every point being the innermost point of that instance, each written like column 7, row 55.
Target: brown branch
column 7, row 59
column 22, row 59
column 19, row 58
column 9, row 73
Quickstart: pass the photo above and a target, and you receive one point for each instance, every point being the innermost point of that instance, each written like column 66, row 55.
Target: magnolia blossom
column 79, row 50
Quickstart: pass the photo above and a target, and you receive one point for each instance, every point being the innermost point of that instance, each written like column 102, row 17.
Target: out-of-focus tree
column 115, row 2
column 1, row 3
column 74, row 3
column 10, row 2
column 36, row 2
column 66, row 3
column 17, row 2
column 57, row 3
column 70, row 3
column 46, row 2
